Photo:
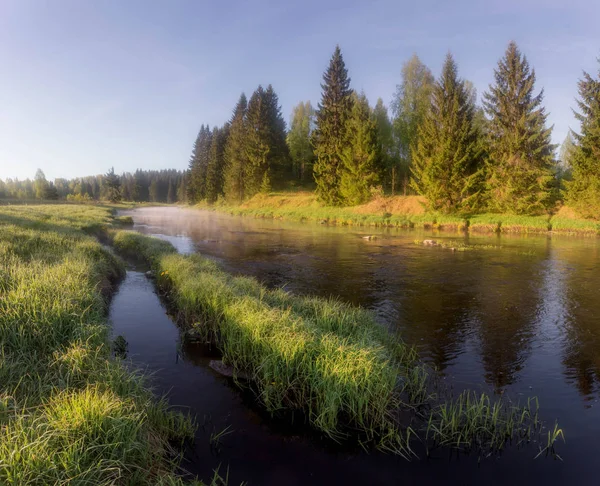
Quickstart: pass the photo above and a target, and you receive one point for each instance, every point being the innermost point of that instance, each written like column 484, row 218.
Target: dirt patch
column 414, row 205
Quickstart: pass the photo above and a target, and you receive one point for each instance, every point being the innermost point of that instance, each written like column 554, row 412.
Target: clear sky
column 86, row 85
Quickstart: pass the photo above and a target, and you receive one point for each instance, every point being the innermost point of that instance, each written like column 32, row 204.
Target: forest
column 435, row 140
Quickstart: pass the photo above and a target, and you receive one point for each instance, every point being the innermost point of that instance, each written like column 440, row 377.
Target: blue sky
column 86, row 85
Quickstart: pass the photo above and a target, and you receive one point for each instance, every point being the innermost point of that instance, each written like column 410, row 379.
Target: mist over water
column 519, row 320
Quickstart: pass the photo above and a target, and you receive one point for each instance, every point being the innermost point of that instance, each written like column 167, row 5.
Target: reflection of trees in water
column 437, row 299
column 581, row 352
column 507, row 303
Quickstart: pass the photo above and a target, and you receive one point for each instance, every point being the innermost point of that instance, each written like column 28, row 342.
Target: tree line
column 161, row 186
column 438, row 142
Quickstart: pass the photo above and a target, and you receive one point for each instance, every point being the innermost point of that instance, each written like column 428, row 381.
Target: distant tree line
column 161, row 186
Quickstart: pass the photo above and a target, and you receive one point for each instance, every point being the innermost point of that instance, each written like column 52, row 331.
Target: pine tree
column 519, row 173
column 235, row 156
column 112, row 185
column 280, row 162
column 446, row 162
column 330, row 134
column 214, row 171
column 358, row 170
column 583, row 192
column 299, row 141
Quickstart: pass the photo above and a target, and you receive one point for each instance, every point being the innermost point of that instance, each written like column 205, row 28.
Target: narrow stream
column 260, row 451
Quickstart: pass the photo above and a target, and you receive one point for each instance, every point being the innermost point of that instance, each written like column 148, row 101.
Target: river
column 520, row 316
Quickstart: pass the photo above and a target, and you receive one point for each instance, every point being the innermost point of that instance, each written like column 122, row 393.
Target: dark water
column 523, row 320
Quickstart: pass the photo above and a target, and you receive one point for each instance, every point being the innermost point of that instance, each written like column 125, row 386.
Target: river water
column 520, row 317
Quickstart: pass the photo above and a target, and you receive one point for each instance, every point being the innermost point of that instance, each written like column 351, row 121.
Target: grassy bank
column 69, row 413
column 328, row 360
column 403, row 212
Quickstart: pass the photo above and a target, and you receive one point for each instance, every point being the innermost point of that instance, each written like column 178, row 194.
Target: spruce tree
column 280, row 161
column 198, row 165
column 330, row 134
column 214, row 171
column 583, row 192
column 447, row 159
column 358, row 169
column 234, row 156
column 257, row 144
column 112, row 185
column 519, row 173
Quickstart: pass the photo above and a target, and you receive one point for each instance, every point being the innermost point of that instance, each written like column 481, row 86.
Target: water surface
column 521, row 319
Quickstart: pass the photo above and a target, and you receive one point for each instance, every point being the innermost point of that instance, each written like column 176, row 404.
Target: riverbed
column 517, row 315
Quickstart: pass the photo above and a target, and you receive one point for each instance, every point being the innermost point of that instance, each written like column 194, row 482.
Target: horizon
column 86, row 88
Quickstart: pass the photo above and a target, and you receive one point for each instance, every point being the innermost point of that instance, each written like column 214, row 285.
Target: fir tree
column 358, row 170
column 214, row 171
column 447, row 159
column 583, row 192
column 112, row 185
column 330, row 134
column 280, row 162
column 235, row 156
column 520, row 178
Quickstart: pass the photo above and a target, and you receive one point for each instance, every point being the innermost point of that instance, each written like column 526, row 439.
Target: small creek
column 522, row 320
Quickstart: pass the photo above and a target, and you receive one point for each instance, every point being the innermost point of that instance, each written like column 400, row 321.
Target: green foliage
column 69, row 413
column 330, row 135
column 198, row 165
column 519, row 173
column 299, row 142
column 265, row 148
column 235, row 158
column 386, row 151
column 112, row 186
column 216, row 162
column 409, row 106
column 448, row 155
column 583, row 192
column 41, row 184
column 358, row 171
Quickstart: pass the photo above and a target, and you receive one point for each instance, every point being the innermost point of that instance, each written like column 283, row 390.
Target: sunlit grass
column 69, row 414
column 329, row 360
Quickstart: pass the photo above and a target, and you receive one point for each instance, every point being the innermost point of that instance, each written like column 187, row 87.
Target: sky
column 87, row 85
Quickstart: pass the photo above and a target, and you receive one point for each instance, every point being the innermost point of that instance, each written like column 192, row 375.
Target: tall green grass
column 327, row 359
column 69, row 414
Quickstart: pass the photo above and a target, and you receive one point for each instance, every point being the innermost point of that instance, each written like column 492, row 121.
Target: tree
column 330, row 134
column 214, row 171
column 50, row 192
column 40, row 184
column 198, row 164
column 299, row 141
column 387, row 159
column 235, row 155
column 448, row 156
column 583, row 192
column 358, row 171
column 409, row 106
column 520, row 178
column 112, row 185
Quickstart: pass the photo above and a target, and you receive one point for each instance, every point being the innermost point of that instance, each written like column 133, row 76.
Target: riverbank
column 402, row 212
column 69, row 411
